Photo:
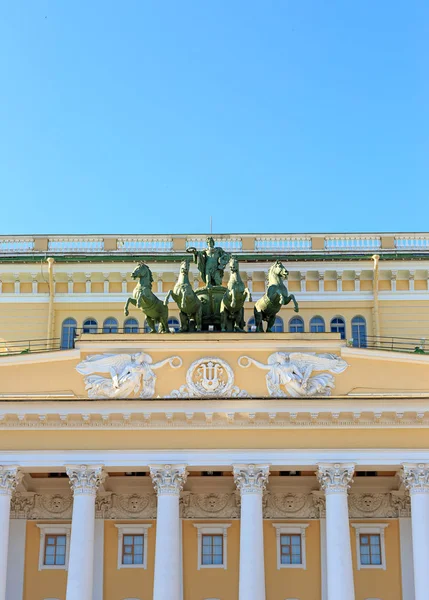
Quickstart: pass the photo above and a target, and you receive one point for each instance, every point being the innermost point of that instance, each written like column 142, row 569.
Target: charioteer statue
column 211, row 262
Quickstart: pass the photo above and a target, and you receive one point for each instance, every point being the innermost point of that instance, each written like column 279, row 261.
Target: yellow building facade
column 284, row 465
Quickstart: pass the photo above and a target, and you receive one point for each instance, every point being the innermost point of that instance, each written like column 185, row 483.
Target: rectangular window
column 132, row 549
column 55, row 550
column 290, row 549
column 212, row 549
column 370, row 549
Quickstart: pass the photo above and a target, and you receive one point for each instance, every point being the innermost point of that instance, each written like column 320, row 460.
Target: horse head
column 278, row 270
column 233, row 264
column 184, row 266
column 142, row 271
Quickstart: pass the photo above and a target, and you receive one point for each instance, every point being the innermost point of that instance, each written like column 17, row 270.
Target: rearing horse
column 275, row 297
column 186, row 299
column 232, row 305
column 154, row 309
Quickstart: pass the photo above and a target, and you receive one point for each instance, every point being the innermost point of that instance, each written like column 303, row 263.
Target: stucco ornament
column 168, row 479
column 335, row 478
column 415, row 478
column 85, row 479
column 9, row 479
column 129, row 374
column 291, row 374
column 209, row 377
column 251, row 479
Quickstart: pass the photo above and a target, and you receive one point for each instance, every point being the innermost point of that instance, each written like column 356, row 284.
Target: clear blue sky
column 147, row 116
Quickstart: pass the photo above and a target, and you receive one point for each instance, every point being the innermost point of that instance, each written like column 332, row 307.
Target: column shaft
column 168, row 481
column 85, row 481
column 251, row 480
column 9, row 477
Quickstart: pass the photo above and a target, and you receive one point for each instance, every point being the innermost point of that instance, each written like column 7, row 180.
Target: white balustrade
column 16, row 245
column 75, row 244
column 353, row 242
column 145, row 244
column 229, row 244
column 412, row 242
column 282, row 243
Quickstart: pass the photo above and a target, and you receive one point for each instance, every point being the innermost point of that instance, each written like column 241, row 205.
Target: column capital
column 168, row 479
column 335, row 478
column 10, row 476
column 85, row 479
column 251, row 479
column 415, row 477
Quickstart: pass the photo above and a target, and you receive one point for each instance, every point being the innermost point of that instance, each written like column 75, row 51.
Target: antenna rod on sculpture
column 211, row 225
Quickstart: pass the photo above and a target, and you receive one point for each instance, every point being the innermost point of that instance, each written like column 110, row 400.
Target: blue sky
column 147, row 116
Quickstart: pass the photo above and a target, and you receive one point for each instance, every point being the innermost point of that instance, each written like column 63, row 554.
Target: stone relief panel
column 130, row 375
column 298, row 374
column 209, row 377
column 211, row 505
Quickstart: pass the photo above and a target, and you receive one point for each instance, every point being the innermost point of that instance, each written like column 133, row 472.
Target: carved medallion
column 212, row 503
column 56, row 504
column 289, row 503
column 133, row 503
column 209, row 377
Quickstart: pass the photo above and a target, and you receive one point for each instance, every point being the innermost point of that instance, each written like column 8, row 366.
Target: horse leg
column 163, row 319
column 128, row 302
column 184, row 322
column 258, row 320
column 151, row 324
column 270, row 322
column 167, row 298
column 199, row 318
column 239, row 321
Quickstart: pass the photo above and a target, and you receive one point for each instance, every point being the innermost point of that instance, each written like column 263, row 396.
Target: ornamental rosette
column 9, row 479
column 251, row 479
column 415, row 478
column 335, row 478
column 85, row 479
column 168, row 479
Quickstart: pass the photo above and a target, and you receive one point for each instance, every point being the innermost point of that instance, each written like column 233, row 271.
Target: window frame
column 362, row 324
column 66, row 331
column 290, row 323
column 110, row 327
column 135, row 325
column 338, row 318
column 131, row 529
column 317, row 321
column 90, row 326
column 46, row 530
column 218, row 529
column 175, row 326
column 295, row 529
column 370, row 529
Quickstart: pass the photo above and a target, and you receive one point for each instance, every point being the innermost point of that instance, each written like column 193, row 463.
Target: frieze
column 211, row 505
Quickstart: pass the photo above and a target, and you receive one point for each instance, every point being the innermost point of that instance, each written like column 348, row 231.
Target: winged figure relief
column 129, row 374
column 298, row 374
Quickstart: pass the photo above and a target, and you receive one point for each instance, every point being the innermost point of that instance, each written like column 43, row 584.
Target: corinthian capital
column 415, row 477
column 168, row 479
column 9, row 479
column 85, row 479
column 251, row 479
column 335, row 478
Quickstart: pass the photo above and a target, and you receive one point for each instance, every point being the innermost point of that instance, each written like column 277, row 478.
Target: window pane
column 376, row 560
column 128, row 549
column 51, row 541
column 138, row 539
column 127, row 559
column 207, row 560
column 375, row 540
column 49, row 560
column 138, row 559
column 285, row 539
column 296, row 560
column 61, row 540
column 128, row 539
column 50, row 550
column 217, row 550
column 296, row 550
column 217, row 560
column 60, row 560
column 364, row 539
column 207, row 540
column 61, row 550
column 207, row 550
column 296, row 540
column 364, row 550
column 286, row 560
column 365, row 560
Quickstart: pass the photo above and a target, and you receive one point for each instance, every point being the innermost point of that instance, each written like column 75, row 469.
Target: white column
column 168, row 481
column 335, row 480
column 415, row 478
column 357, row 280
column 84, row 480
column 303, row 281
column 98, row 592
column 9, row 478
column 251, row 481
column 16, row 559
column 407, row 574
column 321, row 281
column 339, row 281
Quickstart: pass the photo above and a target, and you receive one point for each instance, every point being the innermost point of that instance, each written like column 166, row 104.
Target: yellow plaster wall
column 126, row 583
column 48, row 583
column 210, row 583
column 293, row 583
column 380, row 583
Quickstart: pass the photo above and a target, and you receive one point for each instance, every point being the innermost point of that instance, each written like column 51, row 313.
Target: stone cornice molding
column 168, row 479
column 85, row 479
column 10, row 476
column 251, row 479
column 335, row 478
column 415, row 477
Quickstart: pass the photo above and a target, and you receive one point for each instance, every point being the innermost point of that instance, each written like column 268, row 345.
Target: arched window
column 173, row 324
column 296, row 325
column 90, row 326
column 68, row 331
column 110, row 325
column 278, row 326
column 338, row 325
column 359, row 332
column 131, row 326
column 317, row 325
